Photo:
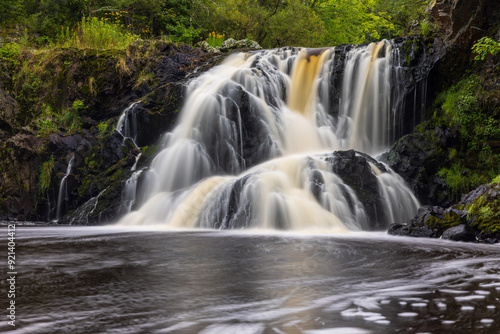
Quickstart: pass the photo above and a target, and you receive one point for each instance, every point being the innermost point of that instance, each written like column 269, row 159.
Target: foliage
column 271, row 23
column 8, row 51
column 102, row 127
column 97, row 34
column 71, row 118
column 461, row 180
column 426, row 28
column 214, row 39
column 484, row 212
column 268, row 22
column 351, row 22
column 473, row 161
column 45, row 175
column 46, row 126
column 485, row 46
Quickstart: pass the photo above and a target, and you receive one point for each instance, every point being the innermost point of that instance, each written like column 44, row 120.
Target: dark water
column 100, row 280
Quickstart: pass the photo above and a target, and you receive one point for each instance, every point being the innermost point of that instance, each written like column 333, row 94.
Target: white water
column 127, row 127
column 62, row 197
column 254, row 141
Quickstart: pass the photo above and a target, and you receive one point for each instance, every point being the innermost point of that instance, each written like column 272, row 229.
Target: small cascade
column 129, row 192
column 62, row 197
column 259, row 145
column 127, row 123
column 127, row 127
column 81, row 215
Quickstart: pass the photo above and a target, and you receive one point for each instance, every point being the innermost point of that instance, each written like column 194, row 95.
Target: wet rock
column 417, row 157
column 354, row 169
column 459, row 233
column 475, row 217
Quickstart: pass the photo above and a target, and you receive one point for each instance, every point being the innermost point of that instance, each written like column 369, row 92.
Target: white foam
column 467, row 308
column 407, row 314
column 468, row 298
column 489, row 285
column 442, row 305
column 419, row 305
column 234, row 328
column 339, row 330
column 487, row 321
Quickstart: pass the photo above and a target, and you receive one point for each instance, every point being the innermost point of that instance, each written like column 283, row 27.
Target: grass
column 95, row 33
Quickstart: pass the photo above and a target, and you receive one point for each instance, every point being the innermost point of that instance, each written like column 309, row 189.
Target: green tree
column 272, row 23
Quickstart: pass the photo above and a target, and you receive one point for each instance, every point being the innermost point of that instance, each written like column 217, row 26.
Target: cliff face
column 62, row 106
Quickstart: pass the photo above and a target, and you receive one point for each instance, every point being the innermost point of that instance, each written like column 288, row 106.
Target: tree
column 272, row 23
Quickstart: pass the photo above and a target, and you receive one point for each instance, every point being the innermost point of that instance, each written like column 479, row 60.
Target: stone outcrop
column 475, row 218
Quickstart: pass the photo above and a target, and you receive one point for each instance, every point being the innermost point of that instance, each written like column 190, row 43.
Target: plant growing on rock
column 485, row 46
column 45, row 175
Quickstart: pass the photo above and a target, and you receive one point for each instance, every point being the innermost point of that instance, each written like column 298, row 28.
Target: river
column 146, row 280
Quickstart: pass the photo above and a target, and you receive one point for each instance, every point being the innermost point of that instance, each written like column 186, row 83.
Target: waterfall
column 127, row 127
column 259, row 145
column 62, row 197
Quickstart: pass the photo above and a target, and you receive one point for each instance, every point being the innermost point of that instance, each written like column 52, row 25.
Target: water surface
column 108, row 280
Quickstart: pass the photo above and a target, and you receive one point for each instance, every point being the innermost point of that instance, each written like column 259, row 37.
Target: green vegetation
column 484, row 212
column 474, row 160
column 45, row 175
column 106, row 24
column 9, row 51
column 215, row 40
column 96, row 33
column 485, row 46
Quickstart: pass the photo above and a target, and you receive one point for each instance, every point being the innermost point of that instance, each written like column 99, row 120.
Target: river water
column 120, row 280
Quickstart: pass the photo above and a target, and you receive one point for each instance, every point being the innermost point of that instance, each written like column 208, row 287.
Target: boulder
column 461, row 232
column 417, row 157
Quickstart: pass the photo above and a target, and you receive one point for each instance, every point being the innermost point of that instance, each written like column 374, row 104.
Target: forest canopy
column 272, row 23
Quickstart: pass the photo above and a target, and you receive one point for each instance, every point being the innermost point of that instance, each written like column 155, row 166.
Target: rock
column 229, row 44
column 207, row 47
column 461, row 232
column 417, row 157
column 475, row 217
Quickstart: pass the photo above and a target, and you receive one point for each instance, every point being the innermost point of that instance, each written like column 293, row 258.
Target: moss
column 484, row 212
column 450, row 219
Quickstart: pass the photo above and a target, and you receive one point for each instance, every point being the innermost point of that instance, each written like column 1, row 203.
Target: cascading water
column 127, row 127
column 62, row 197
column 255, row 145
